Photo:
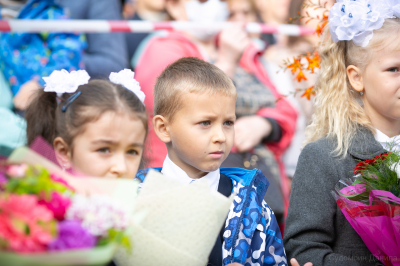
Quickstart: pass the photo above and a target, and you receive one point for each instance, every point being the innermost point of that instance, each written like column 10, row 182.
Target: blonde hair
column 338, row 111
column 188, row 75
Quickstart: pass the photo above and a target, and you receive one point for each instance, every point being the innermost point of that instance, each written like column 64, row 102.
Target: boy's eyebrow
column 106, row 141
column 137, row 145
column 212, row 116
column 111, row 142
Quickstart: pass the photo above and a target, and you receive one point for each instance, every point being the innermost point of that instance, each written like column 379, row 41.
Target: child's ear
column 160, row 126
column 63, row 153
column 355, row 77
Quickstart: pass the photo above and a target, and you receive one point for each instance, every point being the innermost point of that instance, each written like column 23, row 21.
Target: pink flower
column 25, row 225
column 3, row 180
column 58, row 179
column 373, row 176
column 16, row 170
column 57, row 204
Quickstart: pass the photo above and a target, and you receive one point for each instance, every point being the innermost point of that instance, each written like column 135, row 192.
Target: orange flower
column 321, row 27
column 300, row 76
column 296, row 65
column 313, row 62
column 310, row 91
column 325, row 16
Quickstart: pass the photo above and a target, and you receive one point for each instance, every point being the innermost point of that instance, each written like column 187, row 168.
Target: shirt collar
column 171, row 170
column 387, row 142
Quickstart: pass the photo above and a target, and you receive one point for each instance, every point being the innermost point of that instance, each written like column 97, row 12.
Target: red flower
column 360, row 167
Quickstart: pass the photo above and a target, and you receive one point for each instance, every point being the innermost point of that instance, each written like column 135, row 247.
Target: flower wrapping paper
column 98, row 256
column 180, row 225
column 377, row 223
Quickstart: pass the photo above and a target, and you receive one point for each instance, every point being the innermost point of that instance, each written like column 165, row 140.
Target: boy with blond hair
column 194, row 115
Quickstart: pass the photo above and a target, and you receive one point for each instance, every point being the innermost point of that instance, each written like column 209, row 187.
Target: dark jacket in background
column 106, row 52
column 316, row 230
column 134, row 39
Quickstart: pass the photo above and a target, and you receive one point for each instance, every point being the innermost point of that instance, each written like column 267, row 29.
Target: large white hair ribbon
column 61, row 81
column 126, row 78
column 357, row 19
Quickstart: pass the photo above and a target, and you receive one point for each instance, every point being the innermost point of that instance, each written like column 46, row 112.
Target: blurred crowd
column 269, row 133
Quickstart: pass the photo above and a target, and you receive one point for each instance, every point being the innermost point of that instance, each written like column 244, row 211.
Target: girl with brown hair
column 97, row 127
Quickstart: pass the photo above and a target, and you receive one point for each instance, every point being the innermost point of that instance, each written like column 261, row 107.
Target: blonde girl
column 96, row 127
column 357, row 111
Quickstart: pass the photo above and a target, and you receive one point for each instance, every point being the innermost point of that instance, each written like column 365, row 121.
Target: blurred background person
column 257, row 103
column 264, row 127
column 293, row 46
column 273, row 59
column 25, row 58
column 296, row 45
column 106, row 52
column 142, row 10
column 273, row 12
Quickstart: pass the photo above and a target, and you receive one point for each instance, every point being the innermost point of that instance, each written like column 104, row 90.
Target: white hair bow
column 61, row 81
column 357, row 19
column 126, row 78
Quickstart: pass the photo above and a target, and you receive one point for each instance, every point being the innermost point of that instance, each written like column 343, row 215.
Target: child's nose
column 119, row 167
column 219, row 135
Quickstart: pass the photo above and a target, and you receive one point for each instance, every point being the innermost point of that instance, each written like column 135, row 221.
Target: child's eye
column 229, row 123
column 393, row 69
column 104, row 150
column 205, row 123
column 133, row 152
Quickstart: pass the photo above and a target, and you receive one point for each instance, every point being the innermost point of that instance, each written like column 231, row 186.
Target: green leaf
column 36, row 180
column 116, row 236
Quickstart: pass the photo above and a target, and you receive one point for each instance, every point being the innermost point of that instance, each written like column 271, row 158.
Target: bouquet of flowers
column 50, row 217
column 370, row 201
column 45, row 220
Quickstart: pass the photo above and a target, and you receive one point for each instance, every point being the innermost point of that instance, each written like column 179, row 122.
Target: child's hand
column 295, row 263
column 24, row 96
column 249, row 132
column 232, row 43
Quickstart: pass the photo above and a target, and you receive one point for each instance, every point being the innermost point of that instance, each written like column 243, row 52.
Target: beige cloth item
column 181, row 223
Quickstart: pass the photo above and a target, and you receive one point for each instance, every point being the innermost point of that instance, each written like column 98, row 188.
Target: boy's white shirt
column 171, row 170
column 386, row 141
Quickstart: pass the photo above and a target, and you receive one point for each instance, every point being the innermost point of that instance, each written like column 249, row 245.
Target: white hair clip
column 126, row 78
column 357, row 19
column 61, row 81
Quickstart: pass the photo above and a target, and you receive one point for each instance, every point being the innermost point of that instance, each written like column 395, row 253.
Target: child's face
column 110, row 147
column 241, row 11
column 202, row 133
column 381, row 80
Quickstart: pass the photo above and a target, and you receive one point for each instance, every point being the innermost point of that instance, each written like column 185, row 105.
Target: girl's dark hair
column 45, row 118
